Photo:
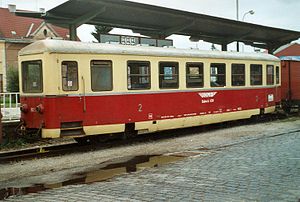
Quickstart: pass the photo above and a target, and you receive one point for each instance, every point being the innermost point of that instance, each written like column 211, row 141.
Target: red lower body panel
column 130, row 108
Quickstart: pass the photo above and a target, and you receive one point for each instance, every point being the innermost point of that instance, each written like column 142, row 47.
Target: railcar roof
column 61, row 46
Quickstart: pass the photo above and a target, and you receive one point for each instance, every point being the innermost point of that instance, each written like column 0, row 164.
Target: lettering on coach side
column 207, row 97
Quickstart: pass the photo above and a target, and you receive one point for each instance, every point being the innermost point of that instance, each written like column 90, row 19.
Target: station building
column 17, row 32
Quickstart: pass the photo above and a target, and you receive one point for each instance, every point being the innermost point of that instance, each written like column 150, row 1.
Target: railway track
column 57, row 150
column 37, row 152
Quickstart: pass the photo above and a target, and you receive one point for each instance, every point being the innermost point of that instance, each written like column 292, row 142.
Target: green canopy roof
column 160, row 22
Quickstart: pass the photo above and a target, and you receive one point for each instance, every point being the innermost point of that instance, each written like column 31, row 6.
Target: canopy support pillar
column 224, row 47
column 73, row 32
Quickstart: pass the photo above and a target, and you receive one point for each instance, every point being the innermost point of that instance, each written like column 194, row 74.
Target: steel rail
column 58, row 150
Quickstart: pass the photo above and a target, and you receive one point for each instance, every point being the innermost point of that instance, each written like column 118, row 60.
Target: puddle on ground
column 104, row 173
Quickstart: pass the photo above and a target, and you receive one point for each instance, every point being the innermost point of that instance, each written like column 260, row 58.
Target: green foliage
column 12, row 79
column 13, row 144
column 14, row 141
column 100, row 30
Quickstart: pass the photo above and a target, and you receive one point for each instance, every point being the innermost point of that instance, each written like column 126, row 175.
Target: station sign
column 134, row 40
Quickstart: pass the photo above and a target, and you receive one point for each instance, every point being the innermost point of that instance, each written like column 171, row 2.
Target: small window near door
column 277, row 75
column 270, row 75
column 69, row 71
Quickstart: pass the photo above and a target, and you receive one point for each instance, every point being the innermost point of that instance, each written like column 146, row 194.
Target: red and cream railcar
column 81, row 89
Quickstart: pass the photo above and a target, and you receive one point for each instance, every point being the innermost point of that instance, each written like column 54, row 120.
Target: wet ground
column 266, row 155
column 101, row 173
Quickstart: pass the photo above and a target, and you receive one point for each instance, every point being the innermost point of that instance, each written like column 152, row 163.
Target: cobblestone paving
column 261, row 170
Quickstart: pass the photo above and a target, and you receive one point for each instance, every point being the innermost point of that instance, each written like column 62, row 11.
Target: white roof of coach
column 60, row 46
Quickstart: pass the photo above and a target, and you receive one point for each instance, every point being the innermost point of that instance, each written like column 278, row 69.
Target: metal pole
column 237, row 10
column 243, row 19
column 237, row 18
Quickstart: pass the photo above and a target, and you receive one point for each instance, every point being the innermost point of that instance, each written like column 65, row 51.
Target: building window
column 194, row 75
column 168, row 75
column 32, row 76
column 69, row 70
column 238, row 75
column 101, row 75
column 256, row 75
column 1, row 83
column 217, row 75
column 277, row 75
column 139, row 76
column 270, row 75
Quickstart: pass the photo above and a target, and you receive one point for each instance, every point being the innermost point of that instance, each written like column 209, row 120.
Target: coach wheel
column 286, row 109
column 129, row 131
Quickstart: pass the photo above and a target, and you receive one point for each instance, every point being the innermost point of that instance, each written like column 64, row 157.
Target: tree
column 12, row 79
column 100, row 30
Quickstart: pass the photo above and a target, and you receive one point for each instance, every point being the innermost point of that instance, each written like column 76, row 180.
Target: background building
column 292, row 49
column 17, row 32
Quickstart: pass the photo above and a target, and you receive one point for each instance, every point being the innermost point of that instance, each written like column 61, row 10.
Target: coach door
column 71, row 101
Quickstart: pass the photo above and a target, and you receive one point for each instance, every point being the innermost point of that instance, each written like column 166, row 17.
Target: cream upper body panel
column 54, row 52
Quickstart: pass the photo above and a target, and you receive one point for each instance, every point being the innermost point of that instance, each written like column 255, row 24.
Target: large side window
column 256, row 77
column 69, row 70
column 168, row 75
column 277, row 75
column 270, row 75
column 217, row 75
column 194, row 75
column 101, row 75
column 139, row 76
column 32, row 76
column 238, row 75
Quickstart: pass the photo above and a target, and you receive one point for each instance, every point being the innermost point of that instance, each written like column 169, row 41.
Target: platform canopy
column 160, row 22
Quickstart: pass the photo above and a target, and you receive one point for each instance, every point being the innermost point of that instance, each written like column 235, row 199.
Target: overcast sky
column 275, row 13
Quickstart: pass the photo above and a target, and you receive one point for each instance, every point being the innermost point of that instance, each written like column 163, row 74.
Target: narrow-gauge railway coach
column 75, row 89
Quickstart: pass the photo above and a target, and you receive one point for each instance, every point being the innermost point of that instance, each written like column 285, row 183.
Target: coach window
column 238, row 75
column 270, row 75
column 194, row 75
column 101, row 75
column 217, row 75
column 69, row 75
column 256, row 75
column 138, row 73
column 32, row 76
column 277, row 75
column 168, row 75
